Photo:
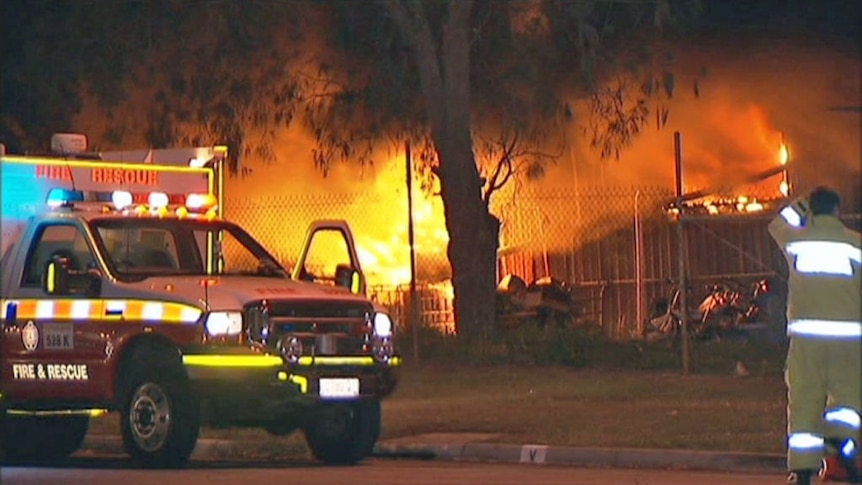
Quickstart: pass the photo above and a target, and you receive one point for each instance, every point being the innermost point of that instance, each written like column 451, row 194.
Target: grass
column 537, row 388
column 564, row 406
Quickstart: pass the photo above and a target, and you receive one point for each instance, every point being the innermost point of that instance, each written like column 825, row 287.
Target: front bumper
column 255, row 389
column 376, row 379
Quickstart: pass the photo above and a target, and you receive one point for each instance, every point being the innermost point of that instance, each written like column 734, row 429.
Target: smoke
column 733, row 128
column 754, row 94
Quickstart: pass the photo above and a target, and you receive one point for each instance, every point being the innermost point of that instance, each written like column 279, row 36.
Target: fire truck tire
column 160, row 417
column 42, row 438
column 344, row 433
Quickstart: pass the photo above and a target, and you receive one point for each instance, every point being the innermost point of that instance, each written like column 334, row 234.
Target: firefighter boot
column 800, row 477
column 843, row 462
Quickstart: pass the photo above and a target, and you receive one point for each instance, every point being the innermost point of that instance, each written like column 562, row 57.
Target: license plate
column 336, row 388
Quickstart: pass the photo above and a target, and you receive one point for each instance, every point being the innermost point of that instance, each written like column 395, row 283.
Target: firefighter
column 824, row 323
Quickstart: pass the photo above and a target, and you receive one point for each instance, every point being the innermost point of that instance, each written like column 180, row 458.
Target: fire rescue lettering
column 50, row 372
column 126, row 177
column 53, row 172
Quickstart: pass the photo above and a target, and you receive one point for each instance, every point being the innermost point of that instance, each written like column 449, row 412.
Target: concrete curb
column 587, row 457
column 209, row 449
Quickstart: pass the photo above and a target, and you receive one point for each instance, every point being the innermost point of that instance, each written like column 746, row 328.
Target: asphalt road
column 99, row 471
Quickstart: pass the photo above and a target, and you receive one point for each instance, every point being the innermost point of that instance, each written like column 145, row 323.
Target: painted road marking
column 533, row 453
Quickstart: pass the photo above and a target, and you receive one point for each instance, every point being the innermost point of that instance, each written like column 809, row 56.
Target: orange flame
column 385, row 255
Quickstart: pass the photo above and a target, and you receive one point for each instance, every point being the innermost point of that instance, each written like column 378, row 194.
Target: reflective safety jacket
column 824, row 259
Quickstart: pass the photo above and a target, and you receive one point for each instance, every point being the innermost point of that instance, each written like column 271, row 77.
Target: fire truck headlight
column 383, row 326
column 224, row 323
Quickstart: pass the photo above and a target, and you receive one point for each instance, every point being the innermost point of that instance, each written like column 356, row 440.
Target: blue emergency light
column 58, row 197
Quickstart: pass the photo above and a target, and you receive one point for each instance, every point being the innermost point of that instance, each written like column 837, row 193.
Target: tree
column 486, row 77
column 193, row 69
column 444, row 75
column 484, row 84
column 34, row 105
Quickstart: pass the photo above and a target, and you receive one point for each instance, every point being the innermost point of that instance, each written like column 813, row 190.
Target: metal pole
column 414, row 314
column 680, row 232
column 639, row 281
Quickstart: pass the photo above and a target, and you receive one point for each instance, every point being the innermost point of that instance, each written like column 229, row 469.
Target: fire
column 783, row 158
column 385, row 255
column 715, row 204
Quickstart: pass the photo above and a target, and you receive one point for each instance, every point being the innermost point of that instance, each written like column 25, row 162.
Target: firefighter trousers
column 824, row 396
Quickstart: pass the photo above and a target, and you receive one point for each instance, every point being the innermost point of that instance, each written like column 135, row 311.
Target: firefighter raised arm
column 824, row 322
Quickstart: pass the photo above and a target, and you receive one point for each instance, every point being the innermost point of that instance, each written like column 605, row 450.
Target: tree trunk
column 444, row 75
column 473, row 241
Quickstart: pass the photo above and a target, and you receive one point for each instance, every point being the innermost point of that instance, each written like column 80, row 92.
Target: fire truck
column 124, row 291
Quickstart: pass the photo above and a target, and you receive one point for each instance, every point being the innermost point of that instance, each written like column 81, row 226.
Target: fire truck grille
column 320, row 327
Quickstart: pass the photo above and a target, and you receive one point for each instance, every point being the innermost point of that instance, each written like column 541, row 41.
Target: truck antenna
column 71, row 175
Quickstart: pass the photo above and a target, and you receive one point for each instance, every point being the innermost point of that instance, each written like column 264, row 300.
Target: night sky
column 828, row 21
column 840, row 19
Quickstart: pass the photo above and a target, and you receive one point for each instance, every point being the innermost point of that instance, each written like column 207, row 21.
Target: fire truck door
column 55, row 346
column 329, row 256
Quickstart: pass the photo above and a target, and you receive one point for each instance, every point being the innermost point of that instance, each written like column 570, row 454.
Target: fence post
column 680, row 233
column 639, row 278
column 415, row 318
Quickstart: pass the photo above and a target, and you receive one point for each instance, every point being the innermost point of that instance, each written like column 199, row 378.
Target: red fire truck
column 124, row 291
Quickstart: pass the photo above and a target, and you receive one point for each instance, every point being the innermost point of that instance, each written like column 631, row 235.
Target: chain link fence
column 616, row 246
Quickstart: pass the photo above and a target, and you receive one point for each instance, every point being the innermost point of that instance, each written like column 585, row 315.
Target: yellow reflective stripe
column 354, row 283
column 222, row 360
column 24, row 160
column 318, row 360
column 104, row 310
column 301, row 381
column 60, row 412
column 50, row 276
column 326, row 360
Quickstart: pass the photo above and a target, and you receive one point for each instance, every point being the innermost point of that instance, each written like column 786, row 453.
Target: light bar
column 200, row 201
column 157, row 200
column 121, row 199
column 59, row 197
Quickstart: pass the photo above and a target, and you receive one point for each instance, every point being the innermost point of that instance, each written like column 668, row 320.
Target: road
column 104, row 471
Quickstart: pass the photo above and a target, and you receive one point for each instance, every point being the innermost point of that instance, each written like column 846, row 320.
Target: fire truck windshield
column 135, row 249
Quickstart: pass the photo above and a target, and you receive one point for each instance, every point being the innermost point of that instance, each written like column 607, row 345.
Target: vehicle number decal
column 58, row 336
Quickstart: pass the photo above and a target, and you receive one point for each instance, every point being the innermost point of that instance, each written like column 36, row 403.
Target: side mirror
column 56, row 281
column 350, row 278
column 61, row 280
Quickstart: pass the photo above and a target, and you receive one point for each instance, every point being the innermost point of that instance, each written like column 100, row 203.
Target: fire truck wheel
column 344, row 433
column 42, row 438
column 160, row 417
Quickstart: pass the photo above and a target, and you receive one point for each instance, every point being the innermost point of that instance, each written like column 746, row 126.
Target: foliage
column 587, row 348
column 459, row 77
column 212, row 73
column 32, row 104
column 252, row 68
column 530, row 61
